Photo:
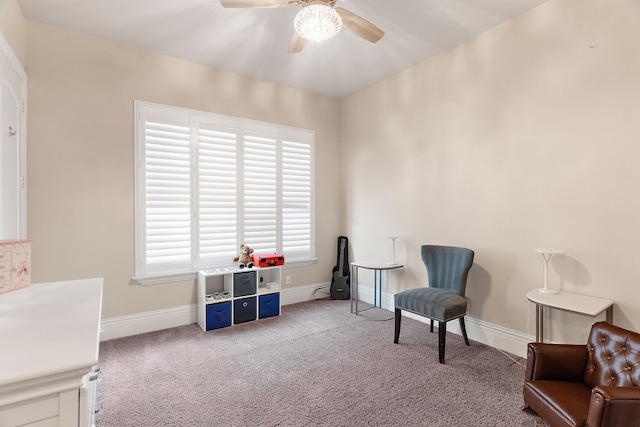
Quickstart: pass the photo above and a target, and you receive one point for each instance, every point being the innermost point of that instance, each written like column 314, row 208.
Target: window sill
column 156, row 279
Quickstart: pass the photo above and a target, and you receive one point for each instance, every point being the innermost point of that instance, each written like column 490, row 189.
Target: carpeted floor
column 315, row 365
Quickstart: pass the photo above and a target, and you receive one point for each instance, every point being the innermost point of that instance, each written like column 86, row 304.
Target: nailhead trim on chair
column 613, row 360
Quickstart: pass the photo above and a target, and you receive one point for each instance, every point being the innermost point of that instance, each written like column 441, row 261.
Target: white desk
column 49, row 335
column 378, row 267
column 574, row 303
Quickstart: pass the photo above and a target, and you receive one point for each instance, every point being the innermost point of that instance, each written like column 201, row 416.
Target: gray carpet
column 315, row 365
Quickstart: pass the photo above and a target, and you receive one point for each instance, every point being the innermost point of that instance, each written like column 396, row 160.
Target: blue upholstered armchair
column 444, row 299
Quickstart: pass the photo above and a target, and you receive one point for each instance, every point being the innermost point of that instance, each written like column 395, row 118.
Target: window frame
column 144, row 272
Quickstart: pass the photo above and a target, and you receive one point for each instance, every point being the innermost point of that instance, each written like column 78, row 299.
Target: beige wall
column 80, row 156
column 12, row 28
column 524, row 137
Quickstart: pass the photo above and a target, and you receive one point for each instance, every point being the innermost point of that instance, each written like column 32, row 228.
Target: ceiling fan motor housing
column 305, row 3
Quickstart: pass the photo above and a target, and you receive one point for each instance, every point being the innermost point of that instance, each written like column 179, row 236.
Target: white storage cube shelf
column 229, row 295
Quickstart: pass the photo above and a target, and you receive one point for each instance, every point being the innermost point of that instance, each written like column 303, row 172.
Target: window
column 206, row 183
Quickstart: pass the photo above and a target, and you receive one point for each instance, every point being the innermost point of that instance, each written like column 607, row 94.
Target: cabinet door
column 88, row 394
column 38, row 411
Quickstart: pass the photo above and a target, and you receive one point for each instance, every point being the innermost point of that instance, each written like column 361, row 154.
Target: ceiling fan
column 317, row 20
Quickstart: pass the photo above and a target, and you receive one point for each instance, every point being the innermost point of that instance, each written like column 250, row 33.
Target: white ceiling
column 254, row 42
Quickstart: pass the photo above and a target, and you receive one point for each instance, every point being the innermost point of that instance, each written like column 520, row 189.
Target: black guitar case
column 341, row 280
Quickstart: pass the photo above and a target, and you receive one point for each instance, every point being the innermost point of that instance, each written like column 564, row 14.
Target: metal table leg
column 375, row 288
column 353, row 289
column 539, row 323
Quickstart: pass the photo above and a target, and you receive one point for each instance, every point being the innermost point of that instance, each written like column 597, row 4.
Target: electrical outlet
column 287, row 280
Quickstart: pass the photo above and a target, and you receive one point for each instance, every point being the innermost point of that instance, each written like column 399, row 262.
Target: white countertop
column 576, row 303
column 47, row 331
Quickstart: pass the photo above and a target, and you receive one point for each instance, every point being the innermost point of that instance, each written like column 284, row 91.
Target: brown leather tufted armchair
column 586, row 385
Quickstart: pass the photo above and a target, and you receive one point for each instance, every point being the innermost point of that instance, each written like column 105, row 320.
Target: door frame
column 13, row 75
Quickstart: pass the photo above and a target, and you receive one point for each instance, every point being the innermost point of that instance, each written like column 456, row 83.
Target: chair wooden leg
column 464, row 331
column 431, row 325
column 398, row 319
column 442, row 334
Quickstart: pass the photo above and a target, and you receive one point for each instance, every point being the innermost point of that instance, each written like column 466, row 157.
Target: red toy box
column 270, row 260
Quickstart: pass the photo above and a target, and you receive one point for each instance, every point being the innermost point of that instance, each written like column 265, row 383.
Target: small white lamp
column 547, row 254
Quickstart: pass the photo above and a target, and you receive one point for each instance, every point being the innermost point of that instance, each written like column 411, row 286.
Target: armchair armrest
column 614, row 406
column 559, row 362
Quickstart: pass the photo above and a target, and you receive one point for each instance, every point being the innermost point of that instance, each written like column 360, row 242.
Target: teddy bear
column 244, row 258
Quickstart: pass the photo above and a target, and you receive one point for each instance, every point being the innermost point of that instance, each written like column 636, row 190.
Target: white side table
column 574, row 303
column 378, row 267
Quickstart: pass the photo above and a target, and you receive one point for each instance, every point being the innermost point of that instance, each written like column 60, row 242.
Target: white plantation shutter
column 217, row 189
column 296, row 195
column 206, row 183
column 167, row 209
column 260, row 210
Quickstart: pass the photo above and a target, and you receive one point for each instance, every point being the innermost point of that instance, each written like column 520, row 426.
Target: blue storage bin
column 269, row 305
column 218, row 315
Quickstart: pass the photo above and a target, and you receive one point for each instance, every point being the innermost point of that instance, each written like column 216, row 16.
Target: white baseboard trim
column 504, row 339
column 149, row 321
column 304, row 293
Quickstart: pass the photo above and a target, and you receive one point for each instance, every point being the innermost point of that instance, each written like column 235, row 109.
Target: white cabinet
column 50, row 336
column 228, row 296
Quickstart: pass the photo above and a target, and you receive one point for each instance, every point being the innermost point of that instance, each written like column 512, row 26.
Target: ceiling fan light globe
column 317, row 22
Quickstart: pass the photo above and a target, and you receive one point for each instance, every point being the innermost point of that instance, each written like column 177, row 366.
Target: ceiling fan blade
column 256, row 3
column 359, row 26
column 297, row 43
